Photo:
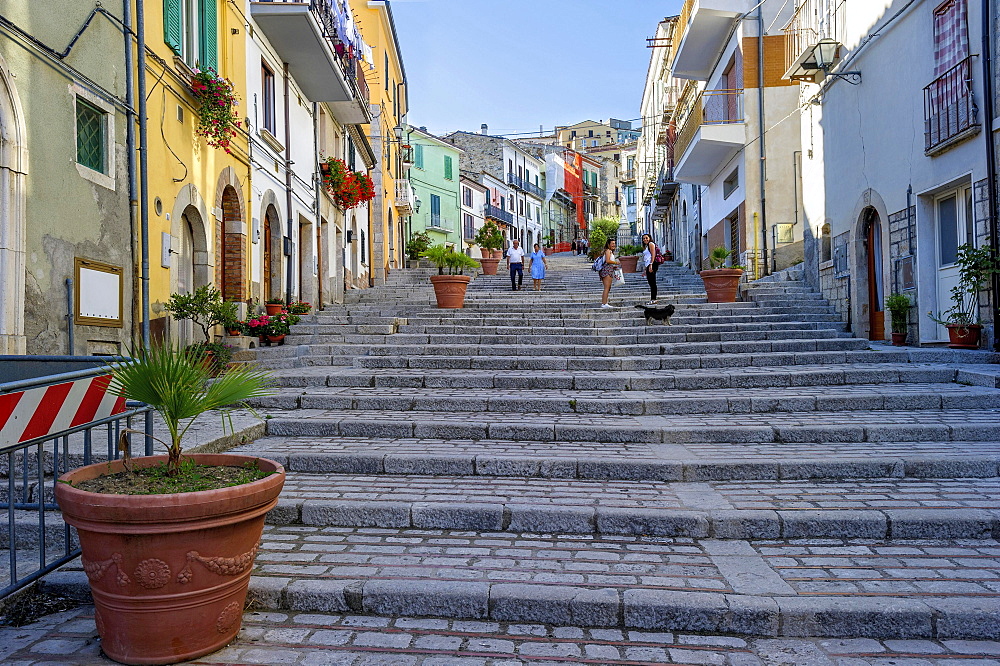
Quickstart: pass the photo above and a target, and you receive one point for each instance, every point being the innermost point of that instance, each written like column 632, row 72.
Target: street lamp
column 825, row 55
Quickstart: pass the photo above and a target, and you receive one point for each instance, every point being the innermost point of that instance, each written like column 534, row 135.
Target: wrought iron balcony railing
column 950, row 111
column 498, row 214
column 515, row 180
column 531, row 188
column 709, row 107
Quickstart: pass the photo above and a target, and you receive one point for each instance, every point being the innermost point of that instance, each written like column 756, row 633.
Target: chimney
column 423, row 128
column 484, row 128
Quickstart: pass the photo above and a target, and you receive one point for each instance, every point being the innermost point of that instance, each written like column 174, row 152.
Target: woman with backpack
column 651, row 260
column 608, row 266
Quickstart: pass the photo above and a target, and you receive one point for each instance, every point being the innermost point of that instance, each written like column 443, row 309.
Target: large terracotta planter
column 485, row 252
column 964, row 336
column 497, row 254
column 629, row 264
column 489, row 265
column 169, row 573
column 450, row 290
column 721, row 284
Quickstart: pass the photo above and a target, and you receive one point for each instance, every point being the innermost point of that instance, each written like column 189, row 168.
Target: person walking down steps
column 608, row 270
column 515, row 264
column 538, row 266
column 650, row 255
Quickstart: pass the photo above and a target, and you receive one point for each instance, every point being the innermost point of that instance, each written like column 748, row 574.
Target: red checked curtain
column 951, row 35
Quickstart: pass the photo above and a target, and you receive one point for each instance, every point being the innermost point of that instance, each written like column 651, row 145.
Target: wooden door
column 876, row 309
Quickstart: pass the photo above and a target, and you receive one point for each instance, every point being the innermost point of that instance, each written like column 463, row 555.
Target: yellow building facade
column 198, row 195
column 388, row 99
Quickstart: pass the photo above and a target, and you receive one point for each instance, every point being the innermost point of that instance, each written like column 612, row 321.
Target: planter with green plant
column 419, row 242
column 273, row 306
column 899, row 306
column 721, row 283
column 601, row 230
column 976, row 265
column 449, row 288
column 299, row 308
column 489, row 238
column 629, row 255
column 206, row 309
column 169, row 541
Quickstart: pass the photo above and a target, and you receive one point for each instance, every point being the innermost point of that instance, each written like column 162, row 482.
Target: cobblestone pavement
column 313, row 639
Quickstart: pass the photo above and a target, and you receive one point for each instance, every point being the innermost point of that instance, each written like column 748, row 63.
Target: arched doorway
column 185, row 271
column 306, row 261
column 871, row 230
column 322, row 262
column 272, row 254
column 13, row 169
column 230, row 248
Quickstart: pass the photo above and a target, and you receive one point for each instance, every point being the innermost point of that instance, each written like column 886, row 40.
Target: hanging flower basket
column 218, row 120
column 349, row 189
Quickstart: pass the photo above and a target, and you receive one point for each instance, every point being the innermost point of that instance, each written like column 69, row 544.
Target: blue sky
column 518, row 64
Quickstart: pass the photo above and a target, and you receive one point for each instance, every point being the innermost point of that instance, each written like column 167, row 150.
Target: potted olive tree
column 169, row 541
column 975, row 268
column 899, row 306
column 449, row 288
column 490, row 240
column 721, row 283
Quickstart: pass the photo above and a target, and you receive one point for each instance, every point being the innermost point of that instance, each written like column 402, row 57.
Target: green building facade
column 435, row 179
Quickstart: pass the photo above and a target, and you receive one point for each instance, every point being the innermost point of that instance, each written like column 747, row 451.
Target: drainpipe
column 760, row 131
column 133, row 185
column 319, row 217
column 140, row 47
column 69, row 315
column 991, row 165
column 287, row 249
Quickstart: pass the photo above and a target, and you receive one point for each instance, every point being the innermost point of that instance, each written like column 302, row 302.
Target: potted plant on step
column 975, row 268
column 274, row 306
column 419, row 242
column 721, row 283
column 899, row 306
column 629, row 256
column 299, row 308
column 168, row 541
column 206, row 309
column 449, row 288
column 490, row 240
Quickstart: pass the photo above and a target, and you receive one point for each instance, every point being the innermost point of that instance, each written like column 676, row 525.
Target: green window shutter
column 418, row 156
column 208, row 49
column 447, row 168
column 172, row 24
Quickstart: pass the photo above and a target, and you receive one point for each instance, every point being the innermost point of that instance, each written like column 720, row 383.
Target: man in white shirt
column 515, row 264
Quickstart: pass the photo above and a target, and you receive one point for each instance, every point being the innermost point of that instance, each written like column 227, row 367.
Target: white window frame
column 107, row 179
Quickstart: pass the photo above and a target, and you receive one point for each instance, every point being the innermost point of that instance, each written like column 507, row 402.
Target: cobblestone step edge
column 636, row 469
column 660, row 610
column 715, row 524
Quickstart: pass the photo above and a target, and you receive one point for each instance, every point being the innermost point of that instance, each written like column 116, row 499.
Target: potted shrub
column 601, row 230
column 274, row 306
column 899, row 306
column 299, row 308
column 272, row 328
column 449, row 288
column 721, row 283
column 169, row 540
column 490, row 240
column 419, row 242
column 629, row 256
column 229, row 318
column 975, row 268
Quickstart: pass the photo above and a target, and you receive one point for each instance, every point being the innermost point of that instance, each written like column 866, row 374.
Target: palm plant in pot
column 169, row 541
column 449, row 288
column 975, row 268
column 721, row 283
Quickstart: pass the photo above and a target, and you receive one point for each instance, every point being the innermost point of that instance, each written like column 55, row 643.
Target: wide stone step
column 595, row 460
column 696, row 379
column 735, row 401
column 770, row 427
column 770, row 345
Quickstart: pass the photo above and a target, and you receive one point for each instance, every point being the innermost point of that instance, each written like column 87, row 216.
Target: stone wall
column 835, row 280
column 902, row 245
column 482, row 153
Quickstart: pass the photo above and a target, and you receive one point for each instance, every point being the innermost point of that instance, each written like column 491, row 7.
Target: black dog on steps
column 657, row 314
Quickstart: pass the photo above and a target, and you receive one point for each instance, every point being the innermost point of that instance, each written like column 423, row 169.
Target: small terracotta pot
column 489, row 265
column 450, row 290
column 721, row 284
column 273, row 308
column 964, row 336
column 629, row 264
column 899, row 339
column 497, row 254
column 234, row 332
column 279, row 339
column 168, row 573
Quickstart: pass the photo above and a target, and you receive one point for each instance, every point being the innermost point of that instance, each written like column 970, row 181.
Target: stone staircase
column 751, row 469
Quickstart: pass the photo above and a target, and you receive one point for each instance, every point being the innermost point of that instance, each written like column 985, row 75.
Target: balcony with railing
column 812, row 21
column 533, row 189
column 440, row 224
column 496, row 213
column 515, row 180
column 628, row 176
column 707, row 26
column 305, row 35
column 711, row 131
column 405, row 197
column 950, row 112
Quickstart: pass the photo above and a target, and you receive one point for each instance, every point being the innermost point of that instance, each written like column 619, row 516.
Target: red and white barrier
column 25, row 415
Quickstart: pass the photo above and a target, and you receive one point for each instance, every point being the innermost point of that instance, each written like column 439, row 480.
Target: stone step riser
column 594, row 349
column 856, row 401
column 955, row 429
